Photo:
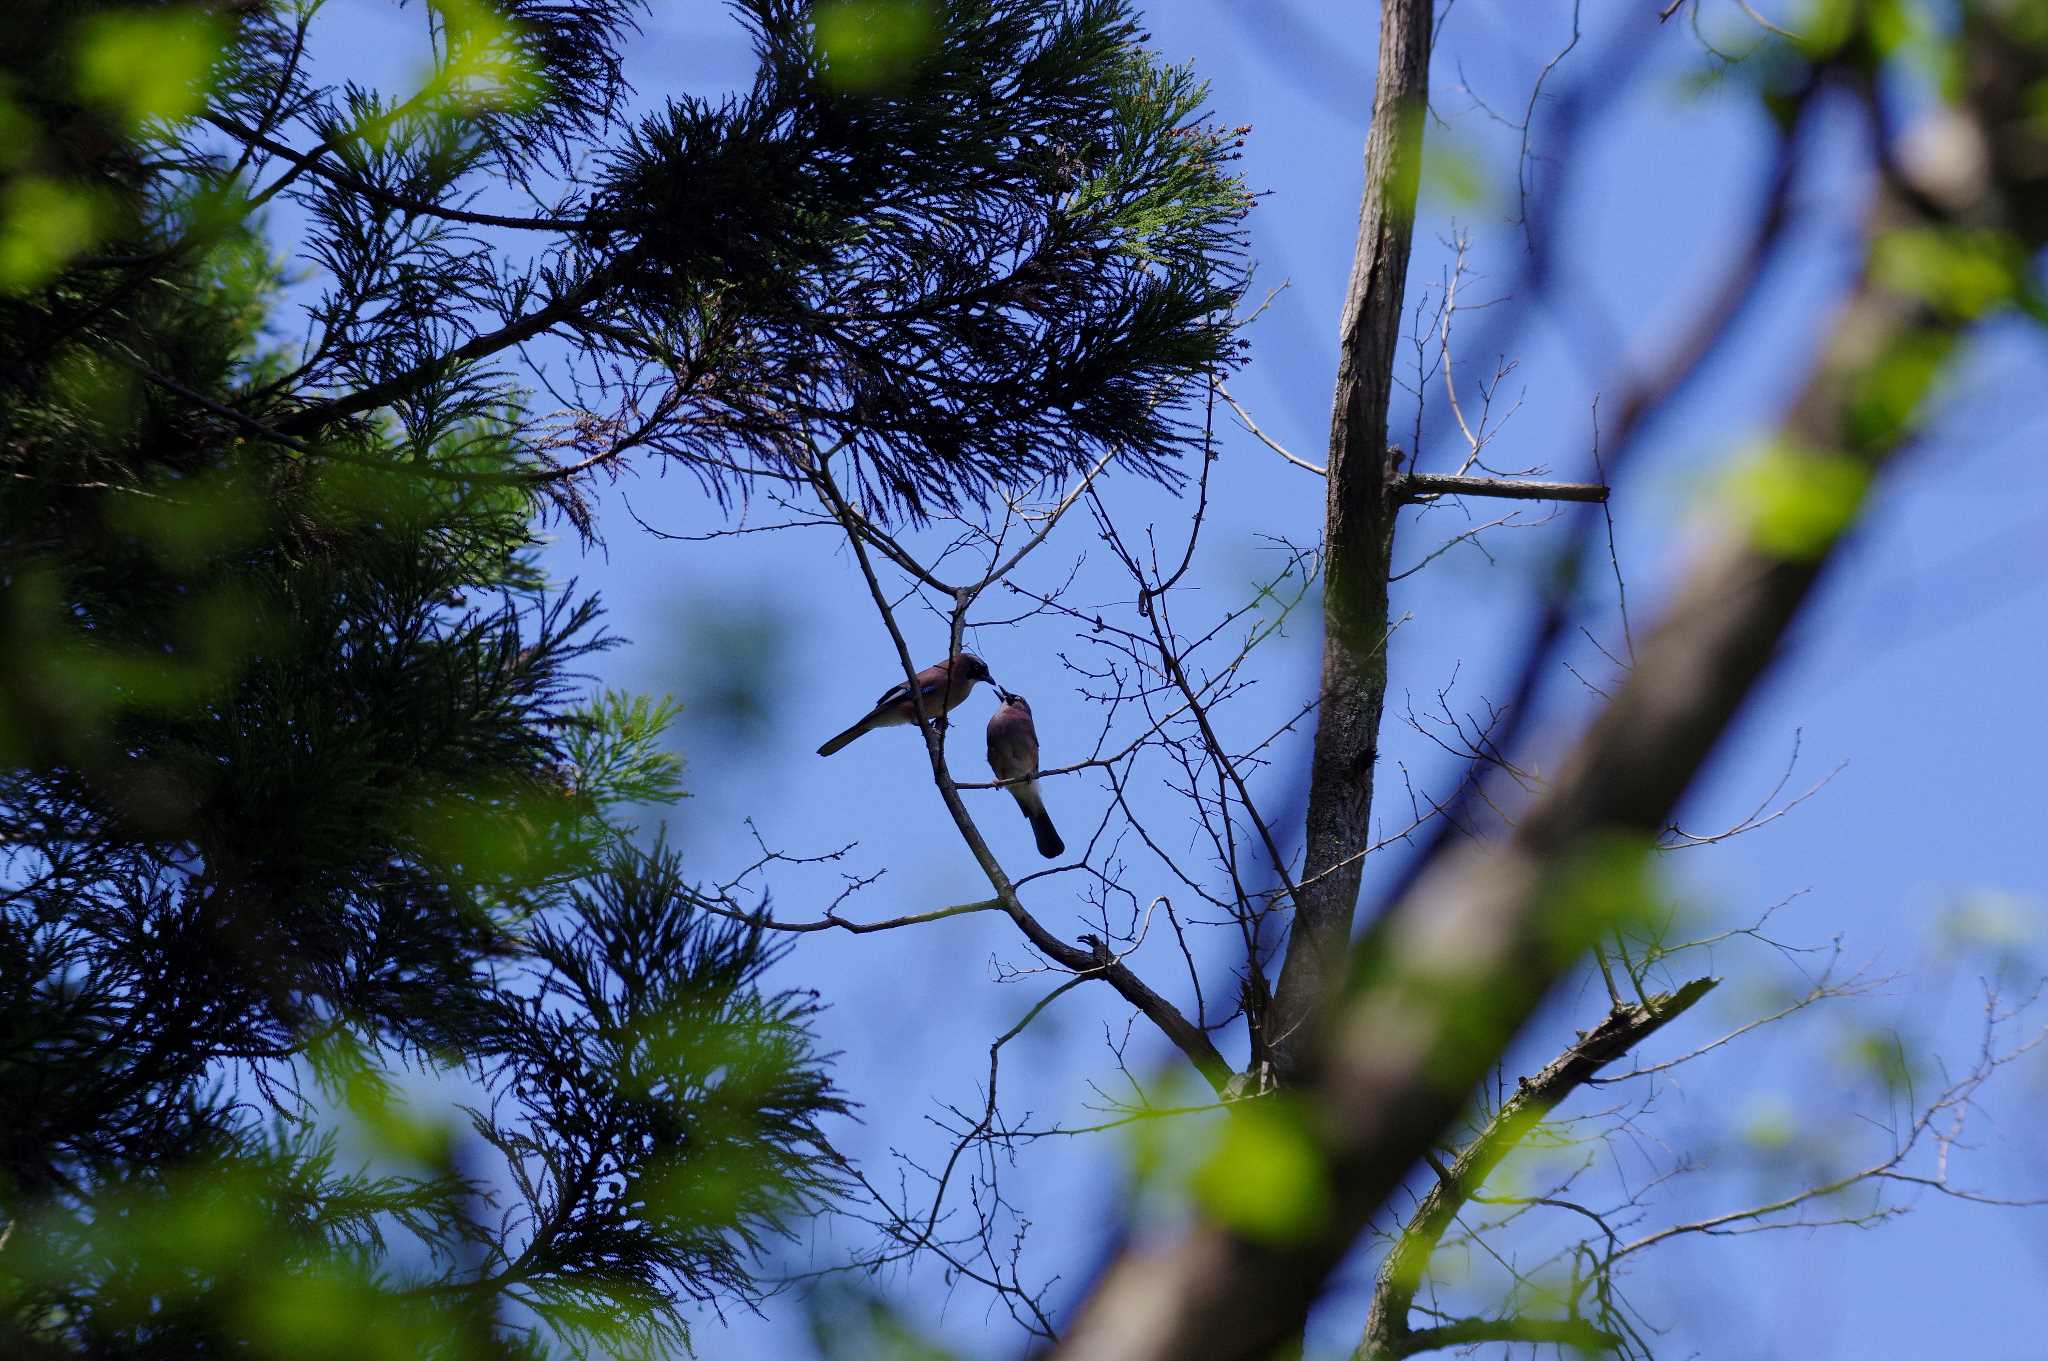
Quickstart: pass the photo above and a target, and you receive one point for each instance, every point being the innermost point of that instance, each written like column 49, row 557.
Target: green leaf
column 19, row 134
column 1879, row 1054
column 336, row 1311
column 44, row 225
column 1603, row 886
column 148, row 65
column 1961, row 273
column 1796, row 501
column 484, row 65
column 190, row 523
column 1264, row 1177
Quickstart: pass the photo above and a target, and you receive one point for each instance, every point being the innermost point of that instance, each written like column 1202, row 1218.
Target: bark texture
column 1359, row 519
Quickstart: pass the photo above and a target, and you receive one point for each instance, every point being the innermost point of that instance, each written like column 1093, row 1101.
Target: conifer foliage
column 304, row 791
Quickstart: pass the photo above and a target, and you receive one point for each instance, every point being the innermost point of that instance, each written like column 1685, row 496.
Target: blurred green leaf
column 1961, row 273
column 1606, row 885
column 1405, row 186
column 1895, row 26
column 865, row 44
column 1770, row 1125
column 1796, row 501
column 1828, row 25
column 188, row 523
column 338, row 1311
column 1264, row 1176
column 505, row 841
column 849, row 1323
column 1879, row 1054
column 151, row 64
column 735, row 638
column 86, row 681
column 1997, row 931
column 88, row 392
column 1887, row 393
column 19, row 133
column 1992, row 919
column 350, row 1073
column 1455, row 174
column 45, row 224
column 484, row 65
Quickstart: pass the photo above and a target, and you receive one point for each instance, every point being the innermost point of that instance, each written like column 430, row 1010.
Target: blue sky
column 1918, row 666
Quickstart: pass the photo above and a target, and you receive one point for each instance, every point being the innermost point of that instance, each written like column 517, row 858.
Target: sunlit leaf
column 616, row 750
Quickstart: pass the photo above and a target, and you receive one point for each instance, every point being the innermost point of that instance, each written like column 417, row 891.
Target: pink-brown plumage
column 1013, row 755
column 942, row 684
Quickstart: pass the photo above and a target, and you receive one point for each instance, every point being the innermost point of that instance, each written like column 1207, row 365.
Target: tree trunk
column 1359, row 534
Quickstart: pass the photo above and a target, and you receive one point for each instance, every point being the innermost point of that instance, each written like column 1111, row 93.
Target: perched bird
column 1013, row 754
column 943, row 685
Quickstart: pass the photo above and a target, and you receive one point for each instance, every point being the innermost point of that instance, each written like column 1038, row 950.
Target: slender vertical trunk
column 1359, row 535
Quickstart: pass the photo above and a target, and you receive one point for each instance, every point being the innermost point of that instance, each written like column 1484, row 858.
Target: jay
column 943, row 685
column 1013, row 755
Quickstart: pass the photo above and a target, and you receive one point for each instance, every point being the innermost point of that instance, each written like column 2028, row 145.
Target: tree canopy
column 309, row 804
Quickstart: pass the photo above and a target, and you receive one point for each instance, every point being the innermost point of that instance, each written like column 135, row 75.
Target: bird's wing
column 899, row 692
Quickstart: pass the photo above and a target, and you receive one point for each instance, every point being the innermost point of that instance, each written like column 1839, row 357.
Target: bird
column 943, row 685
column 1013, row 755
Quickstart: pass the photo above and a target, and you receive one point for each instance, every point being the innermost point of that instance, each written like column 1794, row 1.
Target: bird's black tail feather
column 1049, row 844
column 836, row 743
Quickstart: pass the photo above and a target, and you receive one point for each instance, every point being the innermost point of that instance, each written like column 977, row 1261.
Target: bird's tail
column 1049, row 844
column 855, row 731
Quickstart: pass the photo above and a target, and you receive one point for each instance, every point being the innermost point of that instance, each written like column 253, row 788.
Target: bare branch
column 1387, row 1333
column 1420, row 486
column 1185, row 1035
column 1253, row 426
